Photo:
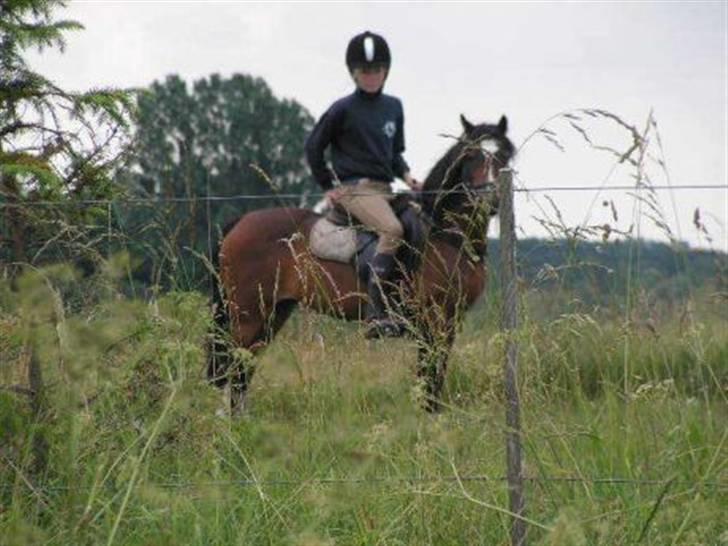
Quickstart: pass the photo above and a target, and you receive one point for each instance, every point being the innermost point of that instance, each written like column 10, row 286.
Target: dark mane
column 445, row 167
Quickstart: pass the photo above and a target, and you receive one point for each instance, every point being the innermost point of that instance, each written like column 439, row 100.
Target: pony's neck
column 444, row 167
column 465, row 231
column 442, row 177
column 454, row 220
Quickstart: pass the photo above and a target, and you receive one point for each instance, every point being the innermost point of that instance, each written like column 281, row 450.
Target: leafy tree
column 56, row 147
column 221, row 137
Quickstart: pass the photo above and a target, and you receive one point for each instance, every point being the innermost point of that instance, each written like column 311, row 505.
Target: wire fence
column 615, row 481
column 321, row 195
column 383, row 481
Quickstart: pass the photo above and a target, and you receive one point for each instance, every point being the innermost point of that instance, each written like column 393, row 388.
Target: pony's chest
column 473, row 282
column 451, row 276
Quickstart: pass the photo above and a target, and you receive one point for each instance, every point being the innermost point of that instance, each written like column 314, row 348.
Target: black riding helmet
column 367, row 49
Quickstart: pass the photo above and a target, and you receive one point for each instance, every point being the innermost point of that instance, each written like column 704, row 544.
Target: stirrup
column 384, row 328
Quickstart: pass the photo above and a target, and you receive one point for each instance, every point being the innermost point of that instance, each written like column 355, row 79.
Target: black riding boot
column 380, row 276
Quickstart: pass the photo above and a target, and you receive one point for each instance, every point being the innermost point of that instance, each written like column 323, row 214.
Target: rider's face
column 370, row 79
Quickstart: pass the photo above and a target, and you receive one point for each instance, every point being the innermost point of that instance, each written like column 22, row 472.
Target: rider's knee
column 393, row 231
column 390, row 238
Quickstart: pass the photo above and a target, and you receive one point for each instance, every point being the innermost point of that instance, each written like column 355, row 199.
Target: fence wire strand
column 614, row 481
column 321, row 195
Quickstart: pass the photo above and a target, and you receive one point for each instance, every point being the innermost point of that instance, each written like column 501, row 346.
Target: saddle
column 340, row 237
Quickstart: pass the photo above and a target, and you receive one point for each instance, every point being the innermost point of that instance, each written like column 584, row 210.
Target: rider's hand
column 332, row 196
column 414, row 184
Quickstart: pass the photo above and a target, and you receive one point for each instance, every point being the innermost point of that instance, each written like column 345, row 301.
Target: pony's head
column 464, row 178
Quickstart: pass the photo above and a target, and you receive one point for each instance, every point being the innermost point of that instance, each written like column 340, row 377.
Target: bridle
column 485, row 187
column 477, row 182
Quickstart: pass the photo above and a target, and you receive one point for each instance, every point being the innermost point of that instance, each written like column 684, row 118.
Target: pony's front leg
column 241, row 374
column 433, row 353
column 250, row 346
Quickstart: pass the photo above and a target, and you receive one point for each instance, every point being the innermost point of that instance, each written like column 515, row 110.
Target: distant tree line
column 220, row 137
column 65, row 155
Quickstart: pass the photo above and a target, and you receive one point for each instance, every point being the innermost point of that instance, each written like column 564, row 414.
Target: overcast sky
column 528, row 60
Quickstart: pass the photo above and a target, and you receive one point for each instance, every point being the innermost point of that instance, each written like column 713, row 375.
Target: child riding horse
column 266, row 267
column 365, row 134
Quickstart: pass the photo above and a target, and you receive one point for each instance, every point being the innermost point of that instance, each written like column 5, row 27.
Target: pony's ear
column 503, row 125
column 467, row 126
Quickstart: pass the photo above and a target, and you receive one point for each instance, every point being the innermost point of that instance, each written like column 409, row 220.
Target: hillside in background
column 600, row 272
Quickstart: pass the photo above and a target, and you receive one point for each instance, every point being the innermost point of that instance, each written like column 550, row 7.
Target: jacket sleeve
column 316, row 145
column 399, row 165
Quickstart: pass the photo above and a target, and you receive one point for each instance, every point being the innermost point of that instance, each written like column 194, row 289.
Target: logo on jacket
column 389, row 129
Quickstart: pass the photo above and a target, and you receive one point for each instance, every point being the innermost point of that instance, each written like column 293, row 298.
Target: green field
column 624, row 417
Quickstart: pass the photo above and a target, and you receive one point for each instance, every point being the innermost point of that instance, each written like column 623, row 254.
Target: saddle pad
column 331, row 242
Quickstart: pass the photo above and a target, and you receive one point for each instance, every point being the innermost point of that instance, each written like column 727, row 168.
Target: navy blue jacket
column 366, row 135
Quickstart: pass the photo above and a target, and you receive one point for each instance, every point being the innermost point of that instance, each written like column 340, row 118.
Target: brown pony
column 266, row 268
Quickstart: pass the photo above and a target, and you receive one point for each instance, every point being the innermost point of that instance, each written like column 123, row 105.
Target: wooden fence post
column 509, row 325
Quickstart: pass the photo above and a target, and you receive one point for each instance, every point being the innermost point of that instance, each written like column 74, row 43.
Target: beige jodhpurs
column 368, row 200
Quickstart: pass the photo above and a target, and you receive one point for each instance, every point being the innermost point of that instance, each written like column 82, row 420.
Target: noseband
column 482, row 191
column 488, row 189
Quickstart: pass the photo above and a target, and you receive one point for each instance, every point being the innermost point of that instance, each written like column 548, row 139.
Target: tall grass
column 334, row 449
